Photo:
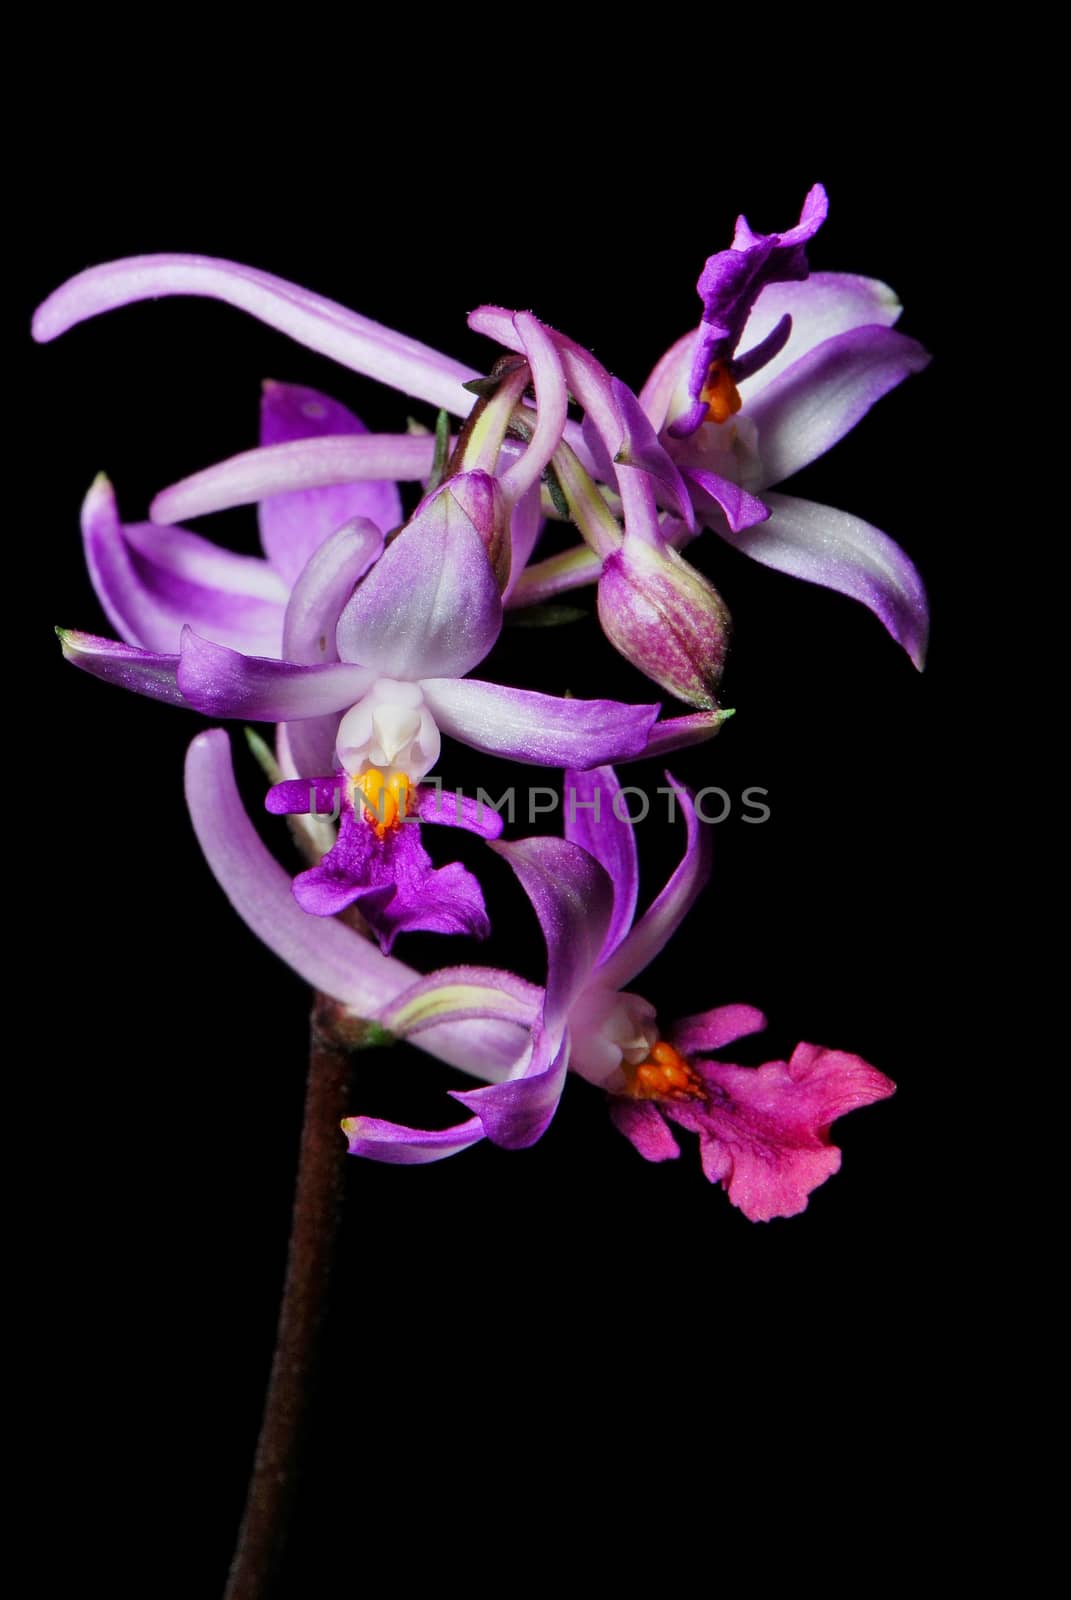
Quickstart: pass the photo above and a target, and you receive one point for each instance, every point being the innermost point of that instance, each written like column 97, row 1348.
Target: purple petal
column 712, row 1030
column 538, row 728
column 316, row 604
column 298, row 797
column 641, row 448
column 666, row 913
column 573, row 898
column 324, row 587
column 327, row 954
column 430, row 607
column 592, row 822
column 741, row 510
column 393, row 882
column 668, row 371
column 822, row 396
column 222, row 683
column 764, row 1131
column 644, row 1127
column 391, row 1142
column 294, row 525
column 151, row 581
column 516, row 1113
column 526, row 524
column 458, row 994
column 455, row 810
column 680, row 733
column 320, row 324
column 844, row 553
column 143, row 671
column 823, row 306
column 304, row 466
column 552, row 402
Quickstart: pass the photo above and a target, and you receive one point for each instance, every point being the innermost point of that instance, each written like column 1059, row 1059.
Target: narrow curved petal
column 844, row 553
column 456, row 994
column 144, row 671
column 319, row 324
column 322, row 589
column 431, row 606
column 556, row 575
column 327, row 954
column 223, row 683
column 712, row 1030
column 595, row 821
column 552, row 401
column 150, row 581
column 294, row 525
column 526, row 524
column 821, row 397
column 821, row 307
column 668, row 371
column 456, row 810
column 538, row 728
column 741, row 510
column 572, row 896
column 641, row 448
column 401, row 1146
column 517, row 1112
column 666, row 913
column 680, row 733
column 304, row 466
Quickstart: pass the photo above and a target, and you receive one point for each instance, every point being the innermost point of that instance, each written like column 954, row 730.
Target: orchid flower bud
column 666, row 618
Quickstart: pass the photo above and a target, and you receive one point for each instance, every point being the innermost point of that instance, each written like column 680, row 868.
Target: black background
column 474, row 1293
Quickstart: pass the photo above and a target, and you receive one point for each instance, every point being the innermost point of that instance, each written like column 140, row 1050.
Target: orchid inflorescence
column 357, row 633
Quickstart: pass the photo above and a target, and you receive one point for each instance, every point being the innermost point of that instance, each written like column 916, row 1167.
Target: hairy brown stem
column 317, row 1204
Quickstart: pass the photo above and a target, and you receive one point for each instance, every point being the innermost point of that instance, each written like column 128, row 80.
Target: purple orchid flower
column 377, row 642
column 714, row 432
column 763, row 1132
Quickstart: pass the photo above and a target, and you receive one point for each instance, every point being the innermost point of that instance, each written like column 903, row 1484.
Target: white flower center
column 391, row 729
column 610, row 1030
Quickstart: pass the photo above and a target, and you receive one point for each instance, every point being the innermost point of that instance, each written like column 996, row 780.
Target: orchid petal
column 144, row 671
column 640, row 448
column 764, row 1131
column 294, row 525
column 327, row 954
column 323, row 588
column 538, row 728
column 644, row 1127
column 552, row 400
column 457, row 994
column 592, row 821
column 150, row 581
column 391, row 1142
column 223, row 683
column 572, row 896
column 303, row 466
column 821, row 397
column 741, row 510
column 526, row 524
column 821, row 307
column 456, row 810
column 712, row 1030
column 319, row 324
column 517, row 1112
column 680, row 733
column 392, row 880
column 316, row 604
column 844, row 553
column 431, row 605
column 666, row 913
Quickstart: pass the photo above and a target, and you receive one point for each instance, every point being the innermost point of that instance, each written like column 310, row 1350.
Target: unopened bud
column 664, row 617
